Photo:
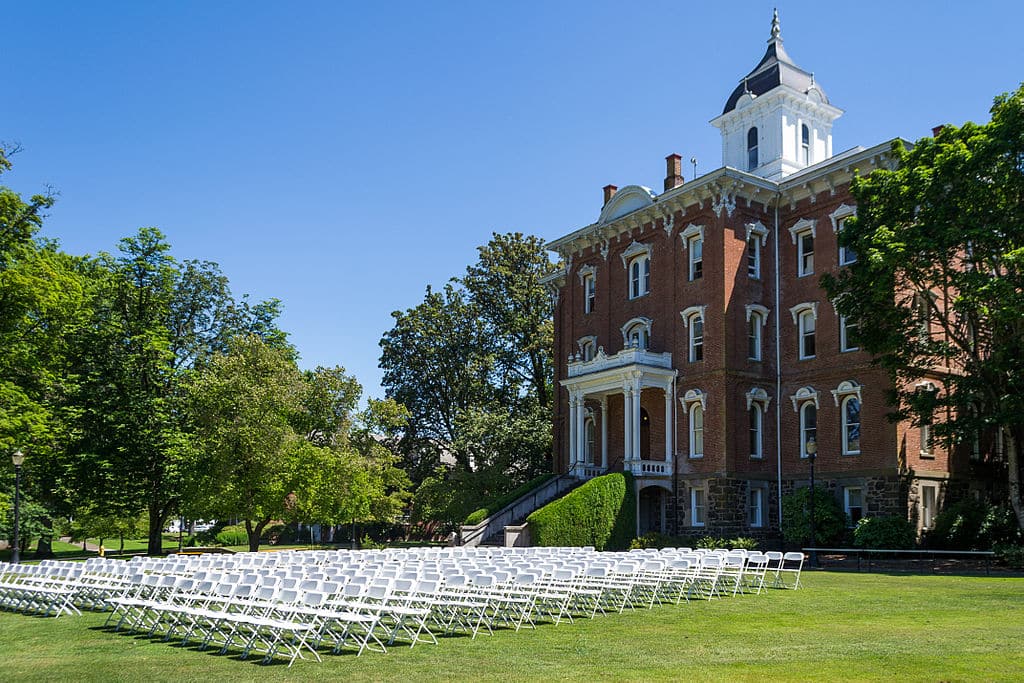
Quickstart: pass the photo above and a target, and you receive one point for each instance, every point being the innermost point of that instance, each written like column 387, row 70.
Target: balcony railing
column 629, row 356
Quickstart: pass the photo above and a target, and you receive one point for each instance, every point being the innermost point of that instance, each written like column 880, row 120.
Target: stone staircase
column 507, row 527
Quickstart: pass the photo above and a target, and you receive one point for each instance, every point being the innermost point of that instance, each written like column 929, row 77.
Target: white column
column 604, row 432
column 572, row 429
column 627, row 440
column 581, row 430
column 668, row 425
column 636, row 420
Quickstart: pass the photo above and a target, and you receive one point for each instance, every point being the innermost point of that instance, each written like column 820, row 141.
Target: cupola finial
column 776, row 31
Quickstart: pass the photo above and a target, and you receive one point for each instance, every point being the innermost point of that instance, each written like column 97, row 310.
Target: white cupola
column 778, row 119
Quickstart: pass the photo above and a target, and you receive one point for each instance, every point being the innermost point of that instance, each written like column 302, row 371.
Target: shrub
column 272, row 534
column 741, row 543
column 501, row 502
column 958, row 526
column 601, row 513
column 709, row 542
column 232, row 535
column 894, row 533
column 1000, row 526
column 654, row 539
column 829, row 518
column 1011, row 555
column 369, row 544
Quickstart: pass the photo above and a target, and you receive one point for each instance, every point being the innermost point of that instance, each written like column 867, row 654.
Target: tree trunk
column 254, row 533
column 1013, row 465
column 44, row 549
column 155, row 545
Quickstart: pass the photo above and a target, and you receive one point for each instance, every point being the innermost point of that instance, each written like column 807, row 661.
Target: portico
column 628, row 373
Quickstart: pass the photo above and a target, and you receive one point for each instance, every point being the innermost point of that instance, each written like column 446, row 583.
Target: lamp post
column 812, row 454
column 17, row 458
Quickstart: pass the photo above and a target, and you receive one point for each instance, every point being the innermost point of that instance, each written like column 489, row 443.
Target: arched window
column 752, row 148
column 696, row 430
column 756, row 424
column 639, row 336
column 588, row 348
column 588, row 443
column 589, row 292
column 696, row 251
column 808, row 426
column 639, row 276
column 805, row 145
column 851, row 425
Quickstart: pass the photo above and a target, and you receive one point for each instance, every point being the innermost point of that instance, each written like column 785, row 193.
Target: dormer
column 778, row 120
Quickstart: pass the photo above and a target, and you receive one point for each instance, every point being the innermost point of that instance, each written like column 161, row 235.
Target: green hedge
column 498, row 504
column 601, row 513
column 883, row 533
column 232, row 535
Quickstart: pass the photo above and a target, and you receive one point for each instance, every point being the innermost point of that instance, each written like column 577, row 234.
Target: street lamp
column 812, row 454
column 17, row 458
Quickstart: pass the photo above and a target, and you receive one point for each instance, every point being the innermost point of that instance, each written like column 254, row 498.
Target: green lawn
column 839, row 626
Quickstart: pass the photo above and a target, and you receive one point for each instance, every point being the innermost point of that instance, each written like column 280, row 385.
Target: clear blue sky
column 343, row 155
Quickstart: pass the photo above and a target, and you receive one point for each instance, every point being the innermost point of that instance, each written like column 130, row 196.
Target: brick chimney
column 673, row 171
column 609, row 192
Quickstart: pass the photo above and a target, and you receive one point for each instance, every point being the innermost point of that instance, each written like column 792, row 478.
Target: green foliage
column 741, row 543
column 949, row 221
column 1010, row 555
column 232, row 535
column 973, row 525
column 368, row 543
column 829, row 518
column 512, row 496
column 894, row 533
column 600, row 513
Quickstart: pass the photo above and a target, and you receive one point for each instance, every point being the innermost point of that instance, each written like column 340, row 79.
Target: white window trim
column 584, row 273
column 760, row 428
column 803, row 427
column 689, row 256
column 583, row 341
column 846, row 388
column 694, row 396
column 801, row 226
column 802, row 395
column 846, row 501
column 762, row 315
column 688, row 314
column 798, row 311
column 691, row 230
column 762, row 311
column 843, row 424
column 811, row 306
column 844, row 341
column 930, row 523
column 761, row 491
column 690, row 427
column 837, row 216
column 630, row 324
column 688, row 400
column 760, row 396
column 633, row 250
column 757, row 228
column 693, row 505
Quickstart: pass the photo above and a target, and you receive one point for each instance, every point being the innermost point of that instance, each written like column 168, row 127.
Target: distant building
column 695, row 348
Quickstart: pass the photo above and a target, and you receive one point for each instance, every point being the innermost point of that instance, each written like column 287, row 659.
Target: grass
column 839, row 626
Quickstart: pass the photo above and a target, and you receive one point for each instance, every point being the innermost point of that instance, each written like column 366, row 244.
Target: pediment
column 627, row 200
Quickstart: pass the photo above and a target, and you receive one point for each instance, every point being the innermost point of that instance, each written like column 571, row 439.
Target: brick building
column 695, row 347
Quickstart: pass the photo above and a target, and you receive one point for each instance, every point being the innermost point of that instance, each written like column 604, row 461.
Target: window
column 639, row 276
column 754, row 337
column 923, row 301
column 851, row 425
column 847, row 334
column 636, row 333
column 846, row 254
column 805, row 254
column 696, row 338
column 752, row 149
column 756, row 431
column 638, row 336
column 853, row 503
column 696, row 249
column 697, row 505
column 754, row 257
column 808, row 426
column 806, row 324
column 755, row 506
column 588, row 443
column 588, row 348
column 926, row 396
column 929, row 494
column 925, row 430
column 805, row 145
column 589, row 292
column 696, row 430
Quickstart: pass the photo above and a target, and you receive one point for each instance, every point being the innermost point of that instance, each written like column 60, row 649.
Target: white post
column 604, row 432
column 636, row 421
column 627, row 441
column 668, row 426
column 581, row 430
column 572, row 429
